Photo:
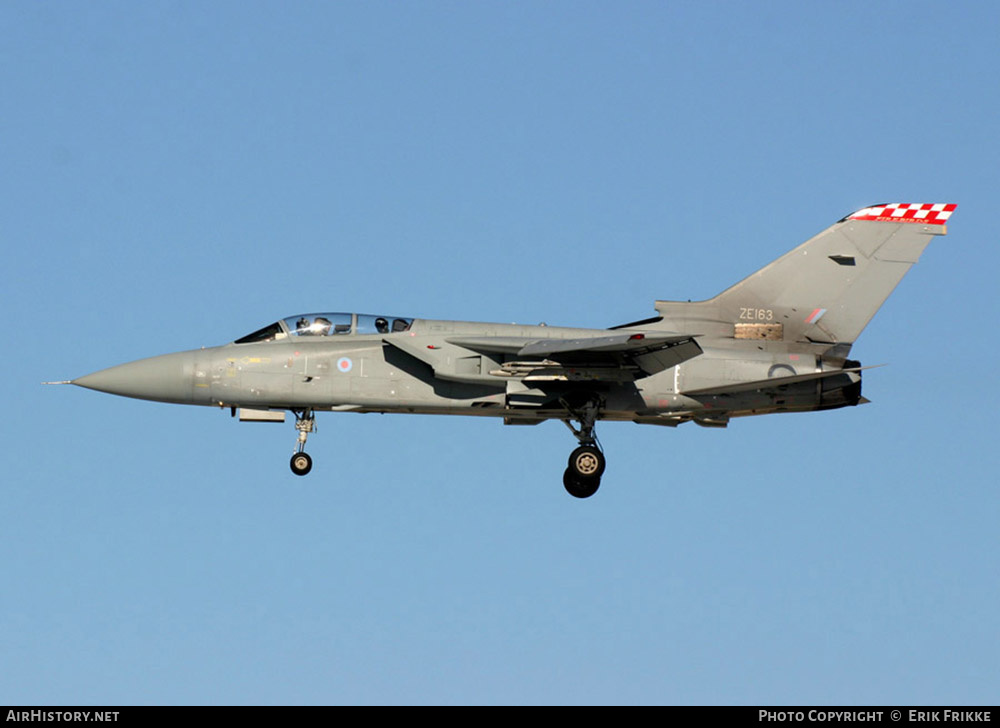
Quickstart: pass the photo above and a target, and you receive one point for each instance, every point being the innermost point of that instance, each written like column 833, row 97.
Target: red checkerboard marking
column 928, row 214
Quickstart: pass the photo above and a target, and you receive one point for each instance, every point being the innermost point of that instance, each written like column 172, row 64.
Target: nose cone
column 167, row 378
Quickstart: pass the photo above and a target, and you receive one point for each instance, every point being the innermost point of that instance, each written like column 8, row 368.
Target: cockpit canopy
column 328, row 324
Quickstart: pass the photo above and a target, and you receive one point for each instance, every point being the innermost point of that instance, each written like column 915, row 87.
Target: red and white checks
column 928, row 214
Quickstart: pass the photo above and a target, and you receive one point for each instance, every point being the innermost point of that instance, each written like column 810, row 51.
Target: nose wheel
column 305, row 422
column 301, row 463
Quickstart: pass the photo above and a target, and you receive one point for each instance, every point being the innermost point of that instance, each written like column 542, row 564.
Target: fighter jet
column 777, row 341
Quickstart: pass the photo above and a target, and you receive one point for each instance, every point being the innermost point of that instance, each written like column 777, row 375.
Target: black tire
column 301, row 463
column 587, row 463
column 580, row 488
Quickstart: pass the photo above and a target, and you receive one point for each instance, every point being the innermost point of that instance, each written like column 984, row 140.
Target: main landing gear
column 586, row 463
column 305, row 422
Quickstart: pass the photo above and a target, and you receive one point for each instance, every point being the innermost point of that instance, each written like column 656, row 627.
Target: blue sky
column 177, row 174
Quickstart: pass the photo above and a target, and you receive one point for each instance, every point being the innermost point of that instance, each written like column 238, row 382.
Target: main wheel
column 587, row 462
column 580, row 488
column 301, row 463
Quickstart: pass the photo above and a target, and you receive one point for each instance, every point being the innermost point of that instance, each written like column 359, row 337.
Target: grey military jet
column 777, row 341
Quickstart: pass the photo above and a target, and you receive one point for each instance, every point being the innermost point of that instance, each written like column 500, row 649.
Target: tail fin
column 827, row 289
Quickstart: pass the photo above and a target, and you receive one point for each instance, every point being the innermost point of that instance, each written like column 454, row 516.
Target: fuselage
column 415, row 366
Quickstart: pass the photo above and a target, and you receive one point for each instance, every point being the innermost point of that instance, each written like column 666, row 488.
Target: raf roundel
column 344, row 364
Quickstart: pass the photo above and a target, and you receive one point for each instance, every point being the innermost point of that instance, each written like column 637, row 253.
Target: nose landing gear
column 305, row 422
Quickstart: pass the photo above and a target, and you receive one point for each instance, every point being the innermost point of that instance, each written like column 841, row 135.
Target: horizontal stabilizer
column 774, row 382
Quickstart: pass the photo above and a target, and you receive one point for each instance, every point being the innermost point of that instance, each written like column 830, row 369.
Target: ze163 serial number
column 756, row 314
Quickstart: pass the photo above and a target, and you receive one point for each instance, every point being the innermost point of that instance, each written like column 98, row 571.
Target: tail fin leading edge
column 825, row 290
